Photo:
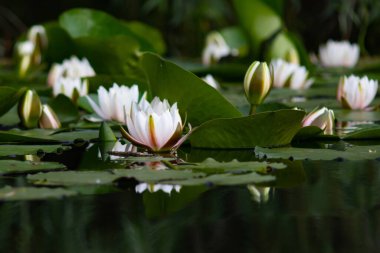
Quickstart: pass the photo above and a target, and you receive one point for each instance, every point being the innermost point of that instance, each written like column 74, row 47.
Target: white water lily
column 48, row 119
column 37, row 35
column 339, row 54
column 216, row 48
column 117, row 102
column 167, row 188
column 70, row 68
column 356, row 93
column 71, row 87
column 322, row 118
column 25, row 50
column 290, row 74
column 156, row 126
column 210, row 80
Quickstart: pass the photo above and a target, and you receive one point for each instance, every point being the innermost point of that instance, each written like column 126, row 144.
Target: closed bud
column 49, row 119
column 257, row 82
column 29, row 109
column 322, row 118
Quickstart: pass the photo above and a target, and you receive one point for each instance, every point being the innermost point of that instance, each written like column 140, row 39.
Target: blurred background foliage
column 185, row 23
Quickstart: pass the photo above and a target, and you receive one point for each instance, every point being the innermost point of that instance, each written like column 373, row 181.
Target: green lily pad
column 32, row 193
column 26, row 136
column 64, row 108
column 196, row 100
column 154, row 176
column 6, row 150
column 263, row 129
column 225, row 179
column 211, row 166
column 349, row 115
column 354, row 153
column 73, row 178
column 19, row 167
column 9, row 97
column 371, row 132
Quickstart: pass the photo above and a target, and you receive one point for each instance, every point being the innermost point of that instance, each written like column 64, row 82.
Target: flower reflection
column 167, row 188
column 259, row 194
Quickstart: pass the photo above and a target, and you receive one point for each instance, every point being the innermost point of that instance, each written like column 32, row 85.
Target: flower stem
column 253, row 110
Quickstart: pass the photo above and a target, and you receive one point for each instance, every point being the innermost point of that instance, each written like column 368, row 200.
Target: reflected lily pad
column 32, row 193
column 17, row 167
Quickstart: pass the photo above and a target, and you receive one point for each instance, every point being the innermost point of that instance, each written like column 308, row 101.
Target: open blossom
column 290, row 74
column 216, row 48
column 71, row 87
column 356, row 93
column 71, row 68
column 339, row 54
column 116, row 103
column 322, row 118
column 167, row 188
column 156, row 126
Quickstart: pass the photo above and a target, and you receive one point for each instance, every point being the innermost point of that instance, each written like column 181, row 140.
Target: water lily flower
column 259, row 194
column 322, row 118
column 356, row 93
column 30, row 51
column 72, row 68
column 48, row 119
column 289, row 74
column 117, row 102
column 167, row 188
column 30, row 109
column 210, row 80
column 156, row 126
column 71, row 87
column 216, row 48
column 339, row 54
column 257, row 83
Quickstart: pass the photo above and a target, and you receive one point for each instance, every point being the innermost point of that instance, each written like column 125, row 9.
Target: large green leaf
column 97, row 24
column 9, row 97
column 60, row 44
column 32, row 193
column 197, row 100
column 64, row 108
column 263, row 129
column 13, row 167
column 259, row 21
column 116, row 55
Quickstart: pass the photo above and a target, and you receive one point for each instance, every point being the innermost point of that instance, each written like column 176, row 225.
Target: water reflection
column 313, row 206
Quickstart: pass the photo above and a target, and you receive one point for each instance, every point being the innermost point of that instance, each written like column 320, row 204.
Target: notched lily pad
column 16, row 167
column 351, row 153
column 32, row 193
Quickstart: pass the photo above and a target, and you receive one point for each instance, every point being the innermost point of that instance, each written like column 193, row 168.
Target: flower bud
column 257, row 82
column 49, row 119
column 322, row 118
column 30, row 109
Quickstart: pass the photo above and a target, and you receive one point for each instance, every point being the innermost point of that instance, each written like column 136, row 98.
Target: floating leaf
column 27, row 136
column 262, row 129
column 154, row 176
column 351, row 153
column 31, row 193
column 235, row 167
column 13, row 167
column 73, row 178
column 197, row 100
column 6, row 150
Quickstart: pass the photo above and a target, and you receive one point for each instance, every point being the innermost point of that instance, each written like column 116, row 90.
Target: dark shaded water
column 317, row 207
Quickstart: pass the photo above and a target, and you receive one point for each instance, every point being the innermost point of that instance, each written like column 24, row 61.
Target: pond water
column 313, row 206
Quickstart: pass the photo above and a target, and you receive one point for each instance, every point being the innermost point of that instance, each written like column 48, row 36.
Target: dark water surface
column 319, row 206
